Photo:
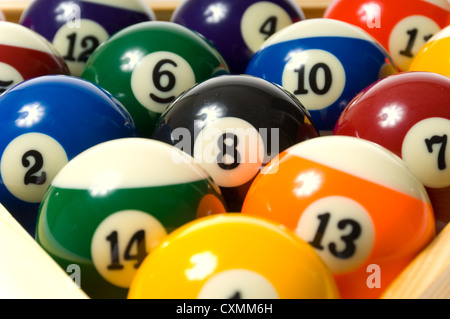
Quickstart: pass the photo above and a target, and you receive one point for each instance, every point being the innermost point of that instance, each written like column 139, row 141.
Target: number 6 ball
column 146, row 66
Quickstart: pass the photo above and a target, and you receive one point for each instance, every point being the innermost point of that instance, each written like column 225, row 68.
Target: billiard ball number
column 416, row 31
column 77, row 44
column 10, row 77
column 343, row 228
column 431, row 153
column 121, row 242
column 231, row 150
column 170, row 76
column 29, row 163
column 315, row 77
column 237, row 284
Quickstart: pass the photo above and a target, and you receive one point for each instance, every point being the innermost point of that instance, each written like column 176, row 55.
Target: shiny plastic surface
column 233, row 125
column 401, row 26
column 433, row 56
column 237, row 28
column 77, row 28
column 45, row 122
column 409, row 114
column 354, row 201
column 233, row 257
column 24, row 55
column 109, row 206
column 325, row 63
column 146, row 66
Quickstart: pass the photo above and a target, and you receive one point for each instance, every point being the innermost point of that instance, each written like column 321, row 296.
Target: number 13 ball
column 354, row 201
column 237, row 28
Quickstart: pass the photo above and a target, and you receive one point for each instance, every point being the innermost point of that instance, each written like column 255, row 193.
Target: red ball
column 401, row 26
column 409, row 114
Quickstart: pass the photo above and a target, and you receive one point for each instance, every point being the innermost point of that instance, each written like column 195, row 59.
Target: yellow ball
column 434, row 55
column 233, row 256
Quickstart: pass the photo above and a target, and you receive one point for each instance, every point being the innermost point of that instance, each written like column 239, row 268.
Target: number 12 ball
column 237, row 28
column 77, row 28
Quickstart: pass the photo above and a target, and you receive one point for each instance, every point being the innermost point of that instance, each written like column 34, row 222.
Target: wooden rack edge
column 163, row 9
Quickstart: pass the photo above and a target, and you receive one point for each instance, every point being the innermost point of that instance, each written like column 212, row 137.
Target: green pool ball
column 110, row 205
column 147, row 65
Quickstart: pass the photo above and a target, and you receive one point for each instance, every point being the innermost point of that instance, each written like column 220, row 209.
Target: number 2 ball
column 237, row 28
column 409, row 114
column 354, row 201
column 401, row 26
column 325, row 63
column 44, row 122
column 77, row 28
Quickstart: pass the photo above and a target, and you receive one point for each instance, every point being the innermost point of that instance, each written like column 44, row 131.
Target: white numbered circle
column 260, row 21
column 29, row 164
column 340, row 230
column 408, row 37
column 315, row 77
column 9, row 77
column 231, row 150
column 425, row 151
column 76, row 40
column 121, row 242
column 159, row 78
column 238, row 284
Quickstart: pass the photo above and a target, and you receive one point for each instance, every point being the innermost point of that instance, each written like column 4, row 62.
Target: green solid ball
column 109, row 206
column 148, row 65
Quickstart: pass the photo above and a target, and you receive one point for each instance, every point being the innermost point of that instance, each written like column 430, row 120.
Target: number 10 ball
column 324, row 63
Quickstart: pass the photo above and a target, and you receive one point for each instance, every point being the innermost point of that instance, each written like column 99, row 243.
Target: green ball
column 109, row 206
column 148, row 65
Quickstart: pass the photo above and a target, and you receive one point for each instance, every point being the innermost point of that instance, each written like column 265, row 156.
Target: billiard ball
column 402, row 27
column 354, row 201
column 233, row 125
column 77, row 28
column 24, row 55
column 109, row 206
column 237, row 28
column 44, row 122
column 324, row 63
column 221, row 257
column 433, row 56
column 146, row 66
column 409, row 114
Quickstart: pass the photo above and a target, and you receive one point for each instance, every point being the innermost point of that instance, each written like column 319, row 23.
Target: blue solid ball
column 44, row 123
